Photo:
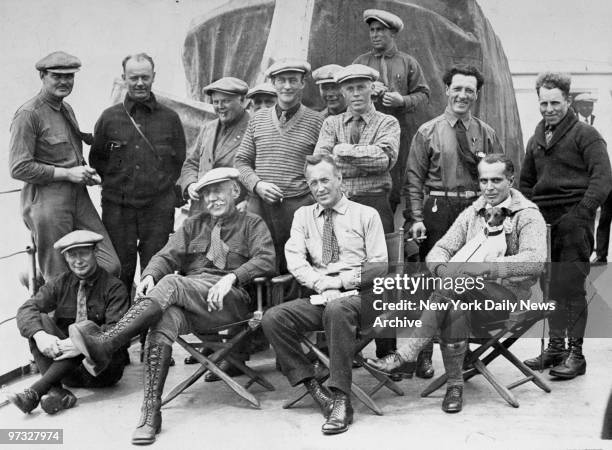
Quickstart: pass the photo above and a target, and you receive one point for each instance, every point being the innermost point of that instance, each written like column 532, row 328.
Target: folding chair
column 221, row 347
column 511, row 329
column 395, row 250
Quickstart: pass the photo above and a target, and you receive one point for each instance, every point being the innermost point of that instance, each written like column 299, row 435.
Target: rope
column 8, row 320
column 16, row 253
column 10, row 191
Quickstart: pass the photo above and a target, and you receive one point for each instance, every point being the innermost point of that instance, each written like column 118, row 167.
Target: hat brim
column 326, row 81
column 369, row 19
column 293, row 69
column 253, row 94
column 223, row 91
column 212, row 182
column 85, row 244
column 355, row 77
column 62, row 70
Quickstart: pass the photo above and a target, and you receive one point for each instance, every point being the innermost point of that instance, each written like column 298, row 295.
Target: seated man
column 329, row 243
column 85, row 291
column 219, row 252
column 518, row 271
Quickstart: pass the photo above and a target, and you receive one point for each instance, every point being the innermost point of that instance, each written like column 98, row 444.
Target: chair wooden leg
column 384, row 381
column 254, row 377
column 434, row 385
column 184, row 385
column 537, row 380
column 501, row 390
column 300, row 393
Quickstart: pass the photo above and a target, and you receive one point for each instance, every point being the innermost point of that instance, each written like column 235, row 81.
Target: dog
column 489, row 245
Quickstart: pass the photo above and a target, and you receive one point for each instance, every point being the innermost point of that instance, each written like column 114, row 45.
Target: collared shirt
column 133, row 173
column 325, row 113
column 107, row 301
column 360, row 237
column 365, row 166
column 42, row 139
column 405, row 76
column 289, row 113
column 251, row 250
column 433, row 161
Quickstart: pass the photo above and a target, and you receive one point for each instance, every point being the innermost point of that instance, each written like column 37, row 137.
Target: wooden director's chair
column 497, row 338
column 395, row 250
column 221, row 346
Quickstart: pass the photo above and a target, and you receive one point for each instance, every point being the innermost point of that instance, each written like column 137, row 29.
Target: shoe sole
column 566, row 377
column 331, row 432
column 149, row 441
column 52, row 405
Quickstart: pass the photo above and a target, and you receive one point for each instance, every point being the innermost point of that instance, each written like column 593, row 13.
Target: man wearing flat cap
column 218, row 252
column 46, row 153
column 85, row 291
column 219, row 139
column 329, row 90
column 273, row 152
column 138, row 149
column 364, row 143
column 401, row 87
column 261, row 96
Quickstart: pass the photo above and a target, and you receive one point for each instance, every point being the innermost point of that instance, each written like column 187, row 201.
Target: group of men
column 288, row 189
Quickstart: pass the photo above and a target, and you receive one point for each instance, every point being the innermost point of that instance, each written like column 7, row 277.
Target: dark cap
column 227, row 85
column 388, row 19
column 356, row 71
column 59, row 62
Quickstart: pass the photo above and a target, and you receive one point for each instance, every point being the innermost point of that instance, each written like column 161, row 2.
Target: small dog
column 489, row 245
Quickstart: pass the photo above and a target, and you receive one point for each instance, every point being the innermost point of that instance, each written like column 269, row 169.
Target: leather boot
column 393, row 365
column 26, row 401
column 424, row 366
column 157, row 362
column 321, row 396
column 57, row 399
column 551, row 357
column 341, row 415
column 453, row 400
column 453, row 355
column 99, row 346
column 574, row 364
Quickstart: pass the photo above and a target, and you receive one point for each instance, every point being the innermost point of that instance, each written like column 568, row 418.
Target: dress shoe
column 424, row 367
column 393, row 366
column 57, row 399
column 552, row 356
column 600, row 261
column 341, row 415
column 573, row 365
column 25, row 401
column 226, row 367
column 453, row 400
column 321, row 396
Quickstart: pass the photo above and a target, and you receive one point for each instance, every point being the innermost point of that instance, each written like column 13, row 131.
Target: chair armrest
column 282, row 279
column 260, row 280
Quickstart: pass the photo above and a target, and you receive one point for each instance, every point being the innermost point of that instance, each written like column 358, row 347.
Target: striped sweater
column 275, row 153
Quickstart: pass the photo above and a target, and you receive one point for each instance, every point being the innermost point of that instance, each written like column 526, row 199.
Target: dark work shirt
column 133, row 173
column 107, row 301
column 289, row 113
column 251, row 251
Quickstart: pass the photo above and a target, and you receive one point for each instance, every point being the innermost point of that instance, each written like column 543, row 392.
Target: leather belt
column 463, row 194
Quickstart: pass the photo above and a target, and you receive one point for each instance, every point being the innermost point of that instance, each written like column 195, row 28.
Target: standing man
column 583, row 105
column 261, row 96
column 46, row 153
column 138, row 149
column 329, row 243
column 402, row 86
column 443, row 163
column 329, row 90
column 220, row 252
column 85, row 291
column 363, row 142
column 273, row 151
column 219, row 139
column 566, row 172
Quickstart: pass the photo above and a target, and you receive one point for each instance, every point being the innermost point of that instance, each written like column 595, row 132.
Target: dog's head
column 494, row 218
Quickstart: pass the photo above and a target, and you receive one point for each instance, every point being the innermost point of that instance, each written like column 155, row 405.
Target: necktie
column 384, row 77
column 548, row 133
column 81, row 310
column 354, row 132
column 331, row 251
column 467, row 158
column 217, row 252
column 283, row 118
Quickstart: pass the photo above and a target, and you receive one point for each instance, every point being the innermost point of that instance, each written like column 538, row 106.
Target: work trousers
column 138, row 232
column 51, row 211
column 286, row 323
column 603, row 228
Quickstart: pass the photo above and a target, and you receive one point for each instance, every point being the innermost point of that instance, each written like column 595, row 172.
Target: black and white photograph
column 306, row 224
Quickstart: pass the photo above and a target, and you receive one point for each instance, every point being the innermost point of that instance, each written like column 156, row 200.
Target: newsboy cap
column 217, row 175
column 288, row 65
column 77, row 238
column 263, row 88
column 355, row 71
column 325, row 74
column 59, row 62
column 585, row 97
column 388, row 19
column 227, row 85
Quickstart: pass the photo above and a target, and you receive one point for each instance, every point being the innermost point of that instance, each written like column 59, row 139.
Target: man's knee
column 272, row 318
column 167, row 329
column 340, row 309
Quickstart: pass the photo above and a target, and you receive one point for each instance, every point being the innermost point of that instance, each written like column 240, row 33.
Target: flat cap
column 325, row 74
column 355, row 71
column 263, row 88
column 77, row 238
column 386, row 18
column 288, row 65
column 585, row 97
column 59, row 62
column 227, row 85
column 217, row 175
